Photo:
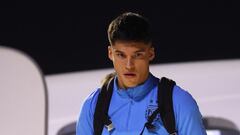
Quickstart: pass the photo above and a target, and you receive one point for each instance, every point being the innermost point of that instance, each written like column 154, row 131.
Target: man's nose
column 130, row 63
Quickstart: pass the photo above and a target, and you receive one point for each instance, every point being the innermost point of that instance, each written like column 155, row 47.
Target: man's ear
column 151, row 53
column 110, row 53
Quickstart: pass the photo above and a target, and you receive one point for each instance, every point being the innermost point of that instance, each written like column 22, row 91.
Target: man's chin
column 130, row 85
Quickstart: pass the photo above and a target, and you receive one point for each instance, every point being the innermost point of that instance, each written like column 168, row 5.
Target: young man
column 135, row 89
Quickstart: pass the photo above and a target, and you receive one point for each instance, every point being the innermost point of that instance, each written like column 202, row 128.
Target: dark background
column 72, row 36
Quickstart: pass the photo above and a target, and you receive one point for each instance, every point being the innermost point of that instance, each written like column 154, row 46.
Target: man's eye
column 120, row 55
column 138, row 55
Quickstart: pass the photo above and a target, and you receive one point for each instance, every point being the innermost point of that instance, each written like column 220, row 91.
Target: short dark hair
column 129, row 27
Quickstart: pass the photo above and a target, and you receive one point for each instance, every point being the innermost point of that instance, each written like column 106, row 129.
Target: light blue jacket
column 129, row 110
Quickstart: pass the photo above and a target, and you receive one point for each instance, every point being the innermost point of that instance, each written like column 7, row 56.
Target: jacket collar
column 139, row 92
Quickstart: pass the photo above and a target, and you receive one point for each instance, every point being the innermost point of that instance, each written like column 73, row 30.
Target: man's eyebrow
column 118, row 51
column 140, row 50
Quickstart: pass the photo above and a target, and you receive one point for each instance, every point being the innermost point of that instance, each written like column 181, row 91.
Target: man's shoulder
column 92, row 97
column 90, row 101
column 183, row 100
column 181, row 94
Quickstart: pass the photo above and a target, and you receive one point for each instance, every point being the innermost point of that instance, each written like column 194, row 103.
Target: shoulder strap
column 101, row 117
column 165, row 107
column 165, row 104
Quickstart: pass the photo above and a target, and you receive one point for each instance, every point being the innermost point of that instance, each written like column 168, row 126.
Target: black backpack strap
column 165, row 104
column 165, row 107
column 101, row 117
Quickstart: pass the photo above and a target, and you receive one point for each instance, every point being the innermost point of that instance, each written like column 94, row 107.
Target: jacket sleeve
column 85, row 121
column 187, row 115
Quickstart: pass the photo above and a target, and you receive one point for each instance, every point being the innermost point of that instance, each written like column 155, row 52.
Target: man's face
column 131, row 62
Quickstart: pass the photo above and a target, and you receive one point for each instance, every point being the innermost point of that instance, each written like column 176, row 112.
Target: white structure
column 23, row 99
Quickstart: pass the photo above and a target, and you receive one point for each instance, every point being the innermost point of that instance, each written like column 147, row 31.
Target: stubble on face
column 131, row 62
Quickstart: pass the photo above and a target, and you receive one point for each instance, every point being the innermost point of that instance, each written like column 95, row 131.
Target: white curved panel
column 22, row 95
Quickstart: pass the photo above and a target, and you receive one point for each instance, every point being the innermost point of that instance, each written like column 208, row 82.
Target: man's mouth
column 129, row 74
